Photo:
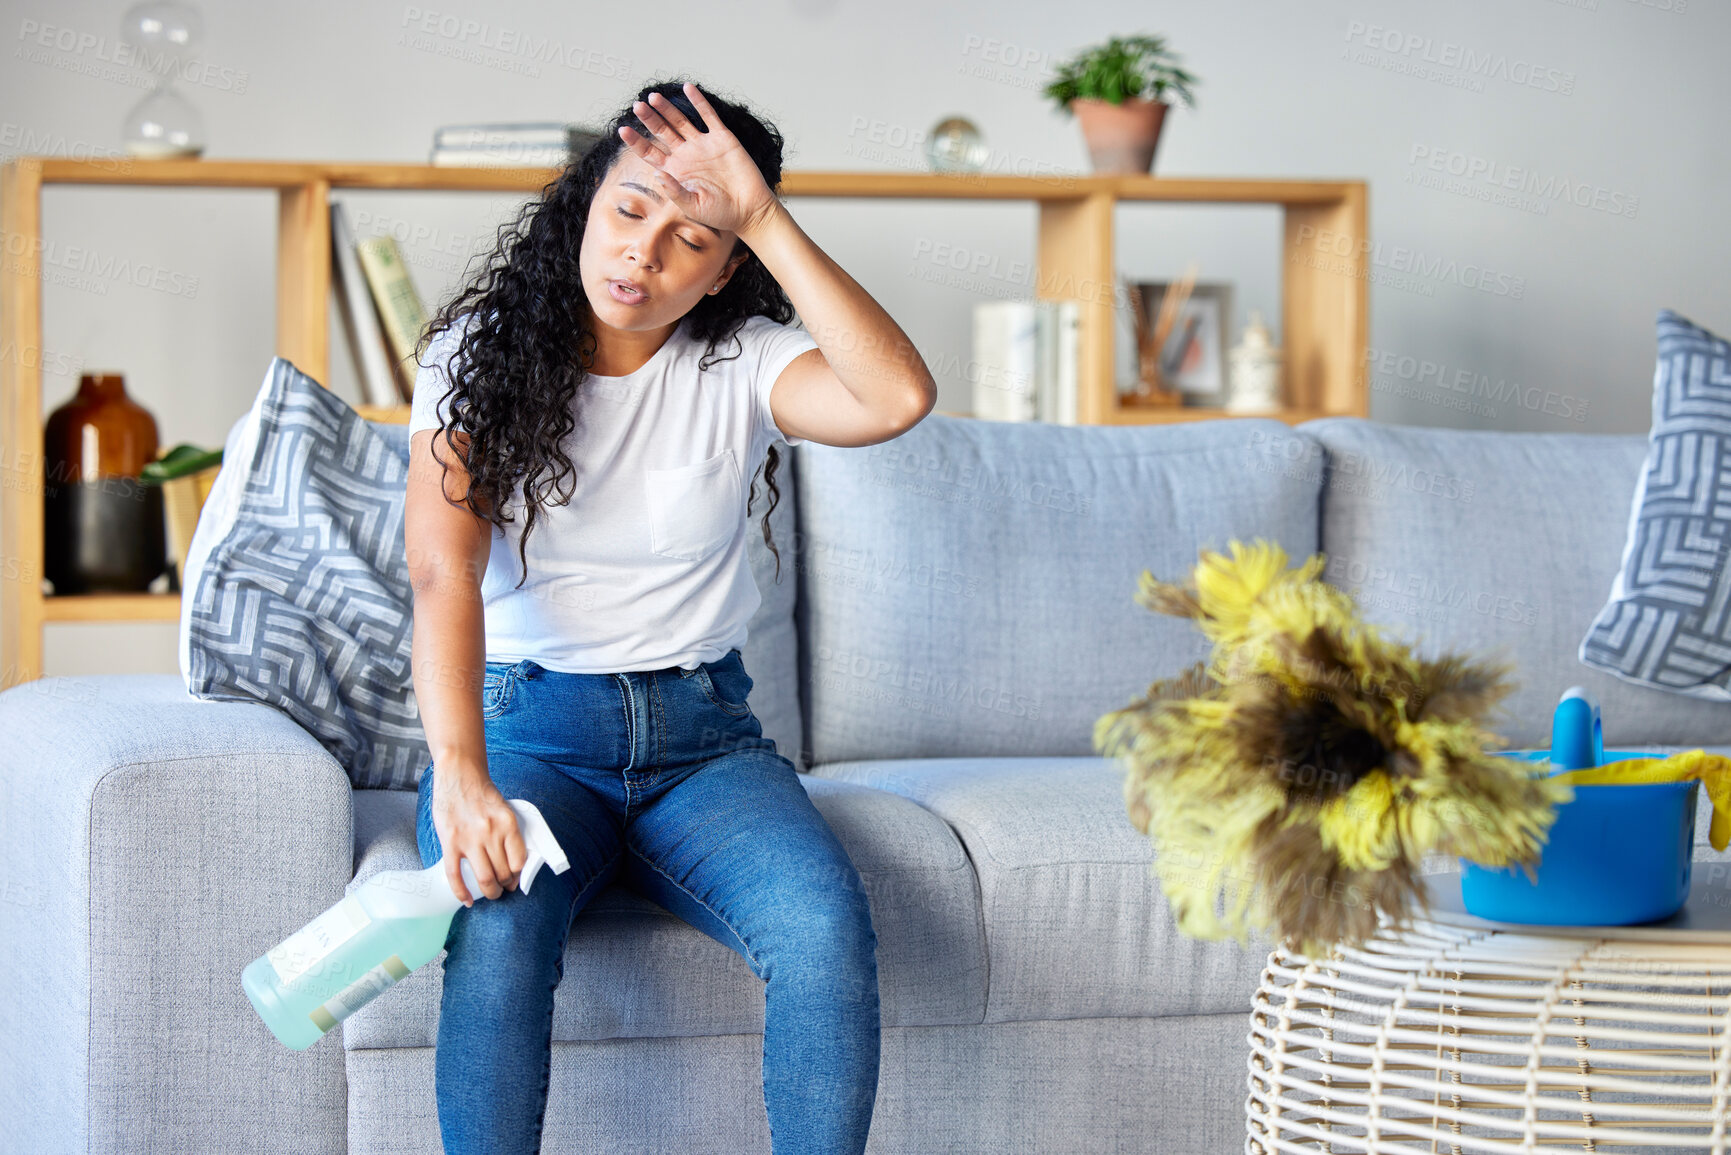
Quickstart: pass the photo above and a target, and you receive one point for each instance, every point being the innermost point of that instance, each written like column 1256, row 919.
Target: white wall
column 1343, row 88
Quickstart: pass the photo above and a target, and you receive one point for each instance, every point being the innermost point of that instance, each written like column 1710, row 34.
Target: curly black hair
column 513, row 376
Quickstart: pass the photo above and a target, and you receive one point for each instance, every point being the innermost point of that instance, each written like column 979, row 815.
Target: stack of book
column 537, row 144
column 382, row 314
column 1026, row 358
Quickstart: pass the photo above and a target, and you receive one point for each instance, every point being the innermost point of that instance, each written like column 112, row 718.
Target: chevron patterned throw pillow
column 1668, row 622
column 296, row 591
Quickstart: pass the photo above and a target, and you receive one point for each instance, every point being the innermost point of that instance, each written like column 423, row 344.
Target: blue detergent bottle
column 391, row 925
column 1617, row 855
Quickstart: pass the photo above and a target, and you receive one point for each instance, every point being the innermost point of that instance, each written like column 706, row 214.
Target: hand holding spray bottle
column 391, row 925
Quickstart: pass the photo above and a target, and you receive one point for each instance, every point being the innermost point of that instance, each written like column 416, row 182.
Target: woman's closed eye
column 635, row 217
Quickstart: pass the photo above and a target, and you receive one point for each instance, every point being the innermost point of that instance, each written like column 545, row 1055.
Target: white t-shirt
column 645, row 567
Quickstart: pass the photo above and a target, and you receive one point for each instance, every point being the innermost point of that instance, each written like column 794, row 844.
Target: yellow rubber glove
column 1711, row 770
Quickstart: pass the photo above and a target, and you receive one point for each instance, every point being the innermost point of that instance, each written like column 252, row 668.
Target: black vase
column 102, row 526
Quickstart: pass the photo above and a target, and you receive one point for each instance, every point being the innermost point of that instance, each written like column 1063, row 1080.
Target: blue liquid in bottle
column 390, row 926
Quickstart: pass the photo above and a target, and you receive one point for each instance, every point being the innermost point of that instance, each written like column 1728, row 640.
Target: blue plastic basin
column 1616, row 855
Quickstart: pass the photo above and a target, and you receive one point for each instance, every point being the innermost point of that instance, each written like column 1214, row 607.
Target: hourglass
column 162, row 34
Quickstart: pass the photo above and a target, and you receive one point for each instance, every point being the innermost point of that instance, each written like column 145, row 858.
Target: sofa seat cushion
column 1076, row 925
column 633, row 970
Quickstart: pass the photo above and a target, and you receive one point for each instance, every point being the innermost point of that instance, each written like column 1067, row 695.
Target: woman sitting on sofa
column 630, row 337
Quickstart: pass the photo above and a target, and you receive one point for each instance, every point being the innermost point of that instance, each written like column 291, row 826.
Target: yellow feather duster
column 1295, row 780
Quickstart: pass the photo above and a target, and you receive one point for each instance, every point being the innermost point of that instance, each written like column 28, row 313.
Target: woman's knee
column 514, row 936
column 829, row 928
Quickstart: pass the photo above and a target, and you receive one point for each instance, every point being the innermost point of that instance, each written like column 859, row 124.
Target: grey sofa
column 954, row 610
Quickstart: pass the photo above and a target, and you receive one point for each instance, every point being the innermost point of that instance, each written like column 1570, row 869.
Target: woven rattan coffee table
column 1454, row 1034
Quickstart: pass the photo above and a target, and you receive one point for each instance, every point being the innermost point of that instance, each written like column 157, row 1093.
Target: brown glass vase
column 103, row 528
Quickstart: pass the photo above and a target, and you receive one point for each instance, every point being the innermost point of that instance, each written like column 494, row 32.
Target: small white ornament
column 1256, row 363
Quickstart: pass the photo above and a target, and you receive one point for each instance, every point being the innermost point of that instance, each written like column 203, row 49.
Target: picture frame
column 1195, row 354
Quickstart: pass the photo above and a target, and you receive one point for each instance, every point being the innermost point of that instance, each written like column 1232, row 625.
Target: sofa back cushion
column 1497, row 544
column 967, row 589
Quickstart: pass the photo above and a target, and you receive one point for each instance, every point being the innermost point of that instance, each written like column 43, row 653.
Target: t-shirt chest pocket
column 694, row 510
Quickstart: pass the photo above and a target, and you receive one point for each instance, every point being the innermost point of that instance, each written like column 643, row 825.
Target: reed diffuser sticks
column 1151, row 387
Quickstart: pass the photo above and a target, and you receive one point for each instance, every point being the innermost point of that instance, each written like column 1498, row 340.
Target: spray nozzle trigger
column 538, row 840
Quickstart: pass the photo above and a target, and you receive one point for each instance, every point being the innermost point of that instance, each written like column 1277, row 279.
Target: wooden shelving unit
column 1325, row 310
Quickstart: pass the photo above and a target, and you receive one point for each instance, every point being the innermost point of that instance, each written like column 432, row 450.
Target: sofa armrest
column 154, row 844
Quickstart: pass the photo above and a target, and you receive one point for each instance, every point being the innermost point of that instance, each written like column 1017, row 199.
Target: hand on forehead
column 632, row 171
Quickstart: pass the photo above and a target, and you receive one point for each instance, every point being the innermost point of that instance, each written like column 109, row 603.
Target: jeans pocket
column 496, row 689
column 694, row 510
column 726, row 684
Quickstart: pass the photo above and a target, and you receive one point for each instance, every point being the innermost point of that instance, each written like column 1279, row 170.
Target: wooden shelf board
column 111, row 607
column 1062, row 186
column 277, row 174
column 1153, row 415
column 221, row 173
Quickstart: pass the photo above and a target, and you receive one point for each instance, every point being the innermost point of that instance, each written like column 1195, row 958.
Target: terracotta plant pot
column 1121, row 137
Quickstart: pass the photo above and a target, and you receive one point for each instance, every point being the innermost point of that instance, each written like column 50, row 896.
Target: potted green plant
column 1117, row 92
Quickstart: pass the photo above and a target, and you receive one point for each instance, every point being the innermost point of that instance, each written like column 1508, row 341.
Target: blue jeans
column 661, row 778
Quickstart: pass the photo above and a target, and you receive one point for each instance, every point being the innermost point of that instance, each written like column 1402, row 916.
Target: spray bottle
column 387, row 928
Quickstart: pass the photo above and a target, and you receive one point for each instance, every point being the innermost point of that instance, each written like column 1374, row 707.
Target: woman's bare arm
column 865, row 382
column 447, row 547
